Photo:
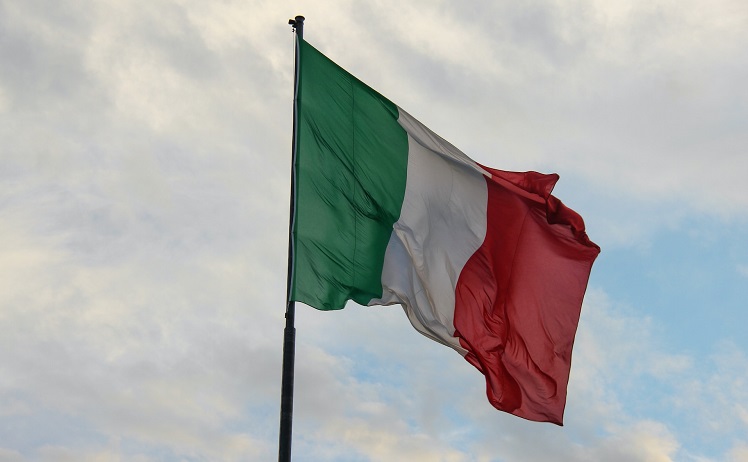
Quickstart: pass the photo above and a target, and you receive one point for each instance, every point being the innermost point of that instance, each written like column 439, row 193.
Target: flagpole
column 289, row 332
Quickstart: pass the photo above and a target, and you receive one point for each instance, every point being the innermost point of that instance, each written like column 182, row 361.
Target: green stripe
column 351, row 165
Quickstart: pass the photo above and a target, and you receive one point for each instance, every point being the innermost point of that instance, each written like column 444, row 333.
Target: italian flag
column 484, row 261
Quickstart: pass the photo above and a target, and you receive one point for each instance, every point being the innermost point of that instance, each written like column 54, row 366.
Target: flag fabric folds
column 485, row 261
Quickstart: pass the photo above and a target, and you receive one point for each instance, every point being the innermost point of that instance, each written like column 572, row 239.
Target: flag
column 484, row 261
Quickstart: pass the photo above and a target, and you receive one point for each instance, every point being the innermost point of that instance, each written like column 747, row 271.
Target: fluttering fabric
column 485, row 261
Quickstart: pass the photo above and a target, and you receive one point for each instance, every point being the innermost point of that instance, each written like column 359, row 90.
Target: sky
column 144, row 185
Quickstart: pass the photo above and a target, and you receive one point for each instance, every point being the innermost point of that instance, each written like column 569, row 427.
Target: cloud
column 145, row 181
column 643, row 98
column 126, row 351
column 10, row 455
column 717, row 393
column 393, row 443
column 738, row 453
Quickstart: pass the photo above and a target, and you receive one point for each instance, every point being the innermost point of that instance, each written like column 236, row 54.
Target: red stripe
column 519, row 297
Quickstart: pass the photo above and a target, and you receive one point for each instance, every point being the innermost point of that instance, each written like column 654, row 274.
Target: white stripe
column 442, row 223
column 425, row 137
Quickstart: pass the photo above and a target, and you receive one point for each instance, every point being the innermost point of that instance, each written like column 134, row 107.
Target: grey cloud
column 645, row 98
column 41, row 48
column 145, row 179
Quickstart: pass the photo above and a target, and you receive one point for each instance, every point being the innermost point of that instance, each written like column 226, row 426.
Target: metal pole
column 289, row 333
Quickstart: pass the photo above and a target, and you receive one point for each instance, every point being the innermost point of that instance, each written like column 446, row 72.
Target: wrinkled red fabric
column 519, row 297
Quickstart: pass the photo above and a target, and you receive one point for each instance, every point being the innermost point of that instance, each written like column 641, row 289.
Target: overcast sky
column 144, row 178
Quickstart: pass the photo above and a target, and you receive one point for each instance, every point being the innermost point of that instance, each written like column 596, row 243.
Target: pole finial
column 297, row 24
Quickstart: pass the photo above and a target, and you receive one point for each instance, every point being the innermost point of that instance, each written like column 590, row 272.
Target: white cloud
column 645, row 440
column 8, row 455
column 738, row 453
column 393, row 443
column 641, row 97
column 144, row 184
column 717, row 393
